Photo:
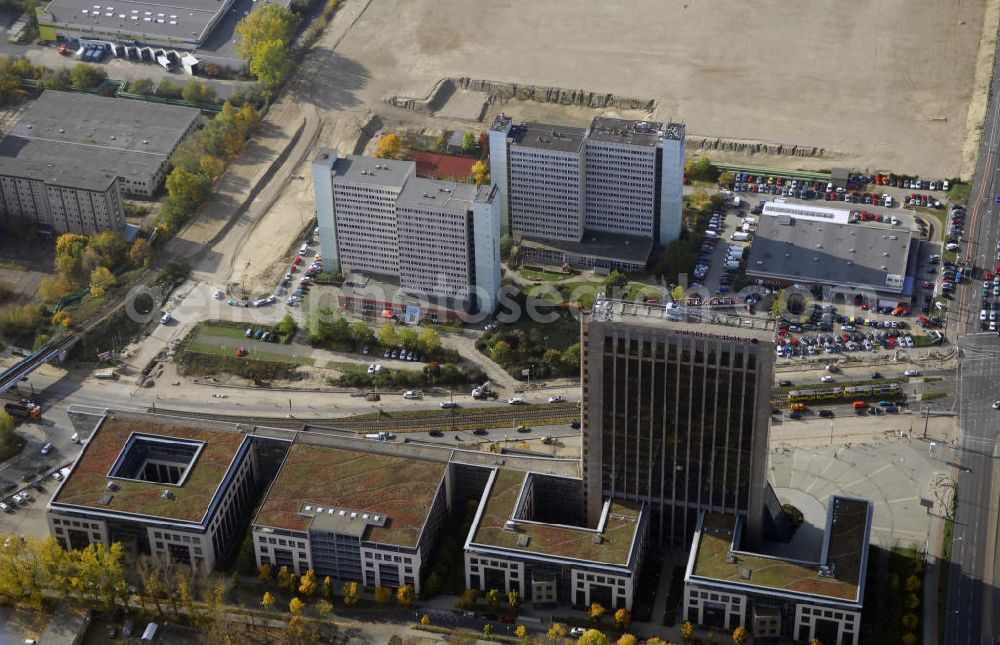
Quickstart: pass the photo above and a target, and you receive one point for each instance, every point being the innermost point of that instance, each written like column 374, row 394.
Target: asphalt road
column 973, row 601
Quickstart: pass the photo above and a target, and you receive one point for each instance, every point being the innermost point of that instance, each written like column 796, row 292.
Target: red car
column 297, row 260
column 927, row 285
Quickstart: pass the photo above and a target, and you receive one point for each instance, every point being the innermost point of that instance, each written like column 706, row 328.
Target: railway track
column 478, row 417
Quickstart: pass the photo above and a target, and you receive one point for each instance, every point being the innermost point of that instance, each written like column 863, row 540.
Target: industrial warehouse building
column 58, row 163
column 798, row 244
column 184, row 24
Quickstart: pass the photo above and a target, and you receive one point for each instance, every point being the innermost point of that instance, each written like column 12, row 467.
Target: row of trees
column 194, row 90
column 323, row 326
column 201, row 158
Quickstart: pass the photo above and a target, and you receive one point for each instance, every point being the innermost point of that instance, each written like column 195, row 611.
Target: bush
column 795, row 517
column 86, row 76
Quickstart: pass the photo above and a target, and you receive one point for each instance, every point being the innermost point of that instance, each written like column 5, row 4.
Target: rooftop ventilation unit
column 166, row 494
column 510, row 525
column 111, row 485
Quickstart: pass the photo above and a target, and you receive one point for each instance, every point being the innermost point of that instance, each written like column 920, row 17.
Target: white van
column 740, row 236
column 303, row 249
column 711, row 234
column 515, row 401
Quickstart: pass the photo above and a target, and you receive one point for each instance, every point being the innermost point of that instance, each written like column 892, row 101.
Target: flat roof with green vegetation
column 401, row 489
column 87, row 483
column 712, row 561
column 577, row 543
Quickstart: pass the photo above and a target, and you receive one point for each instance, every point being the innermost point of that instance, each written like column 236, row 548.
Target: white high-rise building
column 440, row 238
column 616, row 180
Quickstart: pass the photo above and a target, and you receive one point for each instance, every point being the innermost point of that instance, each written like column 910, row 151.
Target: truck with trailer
column 23, row 410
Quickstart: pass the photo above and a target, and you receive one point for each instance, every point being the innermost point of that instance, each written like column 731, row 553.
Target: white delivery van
column 740, row 236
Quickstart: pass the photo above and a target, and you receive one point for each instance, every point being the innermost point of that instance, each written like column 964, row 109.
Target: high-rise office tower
column 618, row 176
column 676, row 414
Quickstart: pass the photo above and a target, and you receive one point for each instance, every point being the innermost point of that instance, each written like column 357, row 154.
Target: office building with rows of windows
column 180, row 490
column 573, row 193
column 352, row 515
column 437, row 238
column 676, row 414
column 778, row 597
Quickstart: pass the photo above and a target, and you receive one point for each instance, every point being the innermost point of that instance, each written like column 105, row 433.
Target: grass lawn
column 534, row 274
column 636, row 290
column 959, row 193
column 222, row 330
column 580, row 291
column 266, row 357
column 930, row 396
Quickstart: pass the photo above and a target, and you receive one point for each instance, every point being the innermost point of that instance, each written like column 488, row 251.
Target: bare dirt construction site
column 892, row 85
column 878, row 84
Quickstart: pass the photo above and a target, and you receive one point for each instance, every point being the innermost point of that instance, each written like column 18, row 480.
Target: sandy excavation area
column 878, row 84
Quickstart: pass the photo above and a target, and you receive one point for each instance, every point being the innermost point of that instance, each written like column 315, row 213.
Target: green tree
column 325, row 607
column 111, row 248
column 627, row 639
column 468, row 141
column 196, row 91
column 100, row 281
column 469, row 597
column 514, row 600
column 741, row 635
column 295, row 606
column 571, row 357
column 506, row 245
column 56, row 79
column 387, row 335
column 54, row 287
column 270, row 63
column 678, row 257
column 614, row 281
column 593, row 637
column 430, row 341
column 409, row 339
column 493, row 598
column 287, row 326
column 141, row 86
column 362, row 334
column 87, row 76
column 265, row 573
column 187, row 189
column 910, row 620
column 913, row 584
column 726, row 178
column 140, row 253
column 623, row 618
column 909, row 638
column 521, row 632
column 501, row 352
column 211, row 166
column 168, row 89
column 267, row 601
column 268, row 22
column 487, row 630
